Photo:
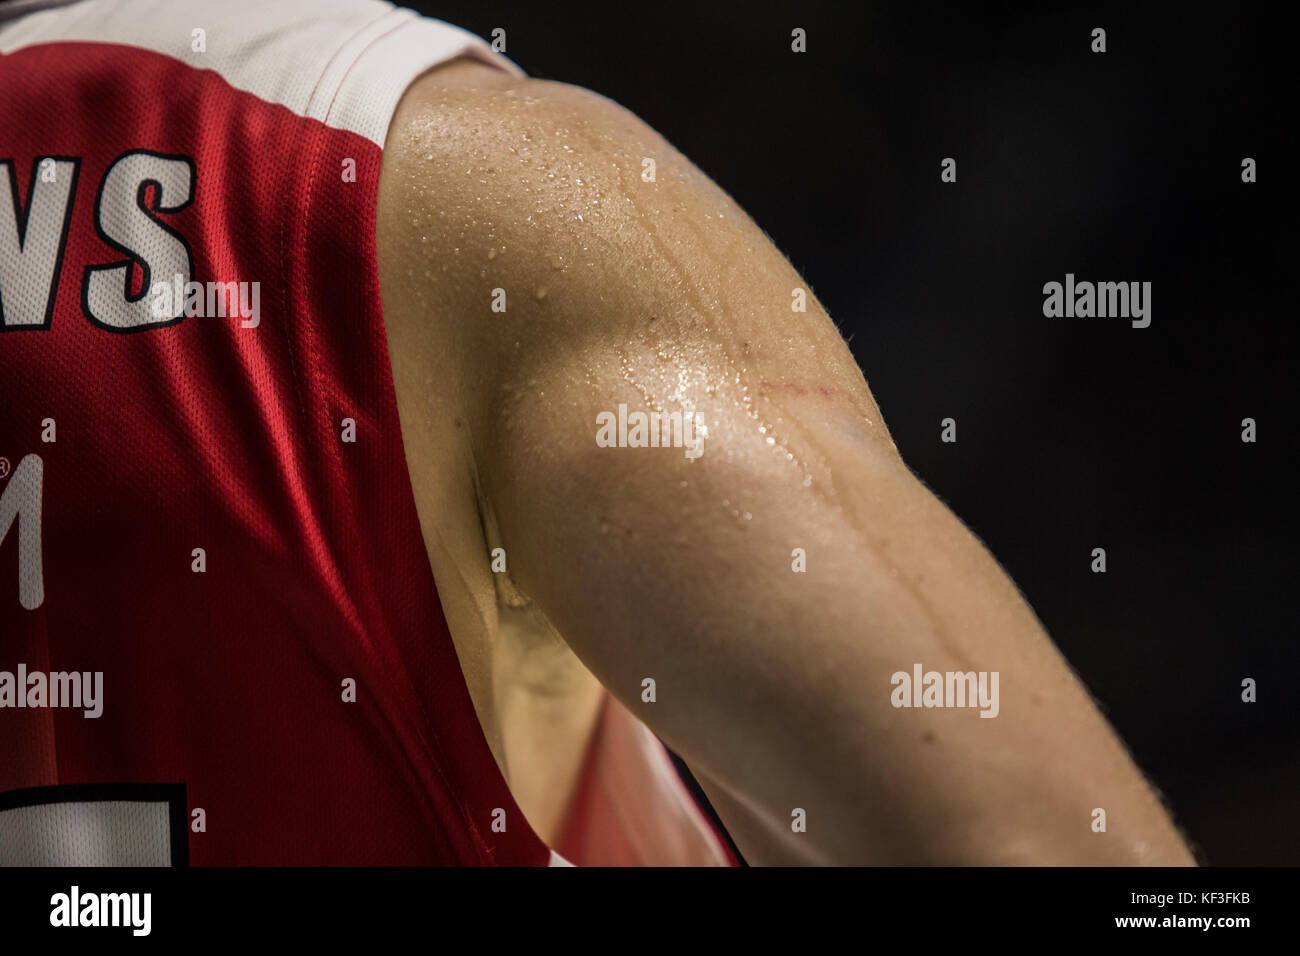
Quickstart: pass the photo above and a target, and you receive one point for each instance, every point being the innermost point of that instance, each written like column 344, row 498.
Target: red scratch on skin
column 794, row 388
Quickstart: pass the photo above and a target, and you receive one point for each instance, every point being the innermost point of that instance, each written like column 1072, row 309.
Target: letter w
column 32, row 241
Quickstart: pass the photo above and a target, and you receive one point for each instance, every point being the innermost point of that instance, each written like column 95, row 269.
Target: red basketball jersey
column 220, row 639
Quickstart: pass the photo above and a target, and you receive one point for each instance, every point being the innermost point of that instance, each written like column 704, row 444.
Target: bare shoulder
column 560, row 233
column 469, row 103
column 482, row 146
column 540, row 183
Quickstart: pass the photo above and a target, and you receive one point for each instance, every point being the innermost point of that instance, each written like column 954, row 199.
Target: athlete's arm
column 774, row 685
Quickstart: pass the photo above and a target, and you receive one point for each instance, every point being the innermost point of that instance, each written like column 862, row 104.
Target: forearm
column 775, row 682
column 1019, row 785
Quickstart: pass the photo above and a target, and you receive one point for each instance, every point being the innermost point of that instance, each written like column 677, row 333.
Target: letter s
column 126, row 223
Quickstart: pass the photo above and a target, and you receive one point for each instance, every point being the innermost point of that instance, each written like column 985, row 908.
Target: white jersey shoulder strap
column 343, row 62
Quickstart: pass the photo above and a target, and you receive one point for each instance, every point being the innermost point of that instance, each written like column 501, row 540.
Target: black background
column 1072, row 433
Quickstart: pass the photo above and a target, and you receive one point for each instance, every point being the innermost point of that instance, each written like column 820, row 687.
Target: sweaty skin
column 635, row 563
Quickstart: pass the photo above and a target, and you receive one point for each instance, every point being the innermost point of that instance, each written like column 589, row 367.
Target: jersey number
column 20, row 503
column 123, row 824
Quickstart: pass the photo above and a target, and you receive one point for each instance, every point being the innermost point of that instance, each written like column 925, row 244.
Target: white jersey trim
column 343, row 62
column 674, row 790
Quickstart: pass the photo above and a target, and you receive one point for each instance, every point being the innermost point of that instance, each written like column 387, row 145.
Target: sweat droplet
column 539, row 293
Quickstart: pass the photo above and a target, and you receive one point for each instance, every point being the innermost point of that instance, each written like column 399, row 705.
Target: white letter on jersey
column 21, row 500
column 126, row 224
column 31, row 245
